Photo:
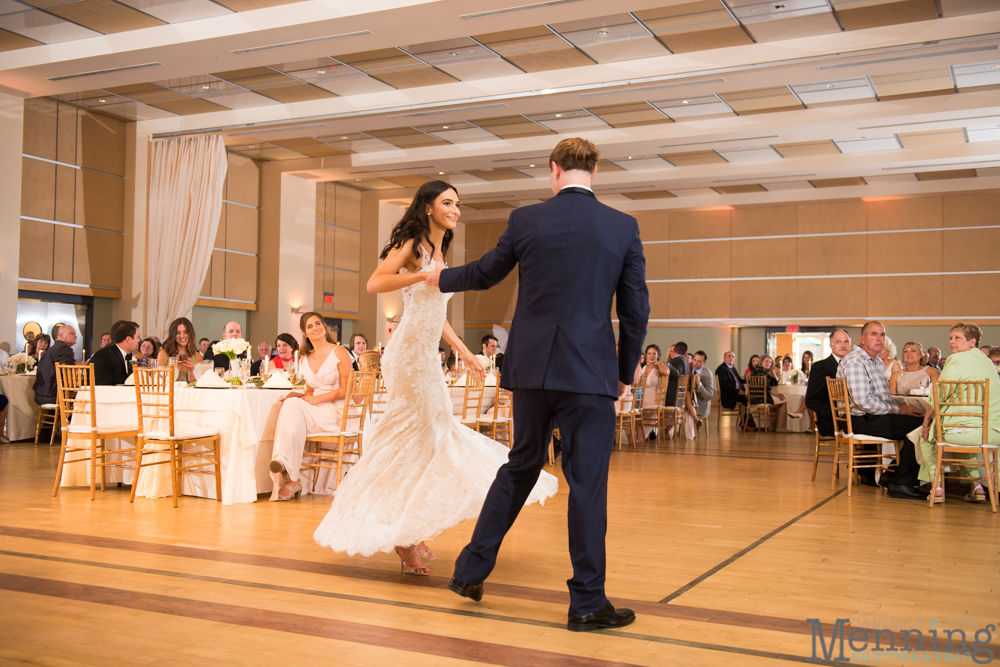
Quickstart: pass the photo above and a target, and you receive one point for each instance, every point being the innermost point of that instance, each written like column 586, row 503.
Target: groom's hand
column 622, row 388
column 434, row 275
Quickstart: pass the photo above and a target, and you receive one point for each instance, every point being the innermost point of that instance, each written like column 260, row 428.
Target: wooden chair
column 970, row 401
column 763, row 412
column 652, row 416
column 189, row 449
column 497, row 424
column 738, row 411
column 823, row 442
column 626, row 416
column 552, row 445
column 673, row 415
column 846, row 441
column 357, row 403
column 48, row 416
column 77, row 409
column 472, row 404
column 380, row 397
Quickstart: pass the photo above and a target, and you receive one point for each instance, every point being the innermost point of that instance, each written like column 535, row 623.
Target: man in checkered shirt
column 874, row 412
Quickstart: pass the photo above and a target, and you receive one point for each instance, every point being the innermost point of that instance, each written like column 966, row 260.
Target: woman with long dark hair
column 422, row 472
column 180, row 343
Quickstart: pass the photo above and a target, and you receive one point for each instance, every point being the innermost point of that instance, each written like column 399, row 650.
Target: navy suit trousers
column 587, row 425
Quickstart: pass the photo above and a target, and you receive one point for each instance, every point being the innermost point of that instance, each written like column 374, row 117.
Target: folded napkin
column 920, row 391
column 277, row 381
column 211, row 380
column 130, row 380
column 31, row 372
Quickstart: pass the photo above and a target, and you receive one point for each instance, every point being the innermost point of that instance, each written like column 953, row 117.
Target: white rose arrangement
column 21, row 362
column 231, row 347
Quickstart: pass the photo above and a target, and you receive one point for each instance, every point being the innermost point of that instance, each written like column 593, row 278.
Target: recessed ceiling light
column 685, row 101
column 602, row 32
column 205, row 87
column 453, row 53
column 321, row 71
column 829, row 85
column 444, row 127
column 343, row 137
column 531, row 165
column 742, row 148
column 995, row 67
column 249, row 146
column 558, row 115
column 440, row 173
column 629, row 157
column 102, row 101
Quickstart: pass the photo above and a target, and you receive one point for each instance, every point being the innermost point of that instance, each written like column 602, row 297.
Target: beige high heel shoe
column 278, row 478
column 418, row 570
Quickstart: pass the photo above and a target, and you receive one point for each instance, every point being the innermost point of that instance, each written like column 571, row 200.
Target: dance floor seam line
column 76, row 591
column 743, row 552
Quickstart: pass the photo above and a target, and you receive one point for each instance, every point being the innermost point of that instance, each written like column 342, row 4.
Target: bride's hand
column 434, row 275
column 473, row 364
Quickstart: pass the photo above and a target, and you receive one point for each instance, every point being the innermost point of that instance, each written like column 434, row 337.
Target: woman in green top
column 966, row 364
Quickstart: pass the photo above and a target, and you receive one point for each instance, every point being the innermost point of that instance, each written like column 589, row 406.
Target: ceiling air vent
column 113, row 70
column 304, row 42
column 512, row 10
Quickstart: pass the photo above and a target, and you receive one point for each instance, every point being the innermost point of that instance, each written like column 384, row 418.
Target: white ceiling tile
column 989, row 172
column 979, row 74
column 44, row 28
column 179, row 11
column 749, row 154
column 891, row 178
column 642, row 163
column 693, row 192
column 978, row 134
column 464, row 59
column 339, row 79
column 457, row 178
column 359, row 143
column 863, row 144
column 12, row 7
column 564, row 121
column 787, row 185
column 688, row 107
column 611, row 39
column 834, row 91
column 458, row 133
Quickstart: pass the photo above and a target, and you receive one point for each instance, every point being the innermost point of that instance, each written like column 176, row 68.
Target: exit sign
column 328, row 298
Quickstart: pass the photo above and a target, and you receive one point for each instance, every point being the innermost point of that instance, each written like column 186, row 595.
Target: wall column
column 11, row 135
column 132, row 305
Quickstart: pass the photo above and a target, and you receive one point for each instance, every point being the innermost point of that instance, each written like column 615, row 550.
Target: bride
column 421, row 471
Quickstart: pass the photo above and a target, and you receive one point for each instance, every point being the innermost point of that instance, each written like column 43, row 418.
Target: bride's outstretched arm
column 471, row 361
column 387, row 277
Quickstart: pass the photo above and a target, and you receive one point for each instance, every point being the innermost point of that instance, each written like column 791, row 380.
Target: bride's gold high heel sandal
column 426, row 554
column 418, row 570
column 278, row 478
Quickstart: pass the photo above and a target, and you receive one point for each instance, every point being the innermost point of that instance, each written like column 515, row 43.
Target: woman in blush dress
column 180, row 344
column 422, row 472
column 914, row 374
column 648, row 375
column 326, row 368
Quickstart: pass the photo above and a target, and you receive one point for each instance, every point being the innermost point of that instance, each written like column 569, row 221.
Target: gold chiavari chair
column 764, row 413
column 847, row 442
column 48, row 416
column 496, row 423
column 823, row 443
column 673, row 415
column 968, row 404
column 626, row 417
column 738, row 411
column 652, row 415
column 348, row 442
column 552, row 445
column 380, row 397
column 189, row 449
column 472, row 403
column 77, row 401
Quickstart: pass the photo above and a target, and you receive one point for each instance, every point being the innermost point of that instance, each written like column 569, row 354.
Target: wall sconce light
column 300, row 310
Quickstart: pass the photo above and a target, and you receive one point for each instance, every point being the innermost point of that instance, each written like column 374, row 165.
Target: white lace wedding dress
column 421, row 472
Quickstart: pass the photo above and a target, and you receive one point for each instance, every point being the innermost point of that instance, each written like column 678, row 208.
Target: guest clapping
column 286, row 346
column 180, row 345
column 648, row 375
column 913, row 374
column 319, row 408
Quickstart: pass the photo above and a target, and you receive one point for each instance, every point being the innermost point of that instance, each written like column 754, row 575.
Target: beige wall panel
column 40, row 123
column 659, row 300
column 219, row 274
column 66, row 193
column 699, row 260
column 971, row 250
column 495, row 305
column 657, row 260
column 833, row 255
column 768, row 221
column 35, row 258
column 241, row 228
column 477, row 236
column 62, row 253
column 831, row 297
column 765, row 257
column 907, row 252
column 905, row 213
column 512, row 277
column 220, row 235
column 241, row 277
column 328, row 283
column 348, row 249
column 321, row 202
column 972, row 210
column 910, row 296
column 653, row 225
column 839, row 217
column 330, row 246
column 496, row 230
column 103, row 199
column 318, row 289
column 963, row 297
column 762, row 299
column 695, row 301
column 206, row 288
column 102, row 143
column 345, row 291
column 243, row 180
column 67, row 144
column 38, row 189
column 348, row 207
column 97, row 258
column 319, row 244
column 330, row 207
column 700, row 224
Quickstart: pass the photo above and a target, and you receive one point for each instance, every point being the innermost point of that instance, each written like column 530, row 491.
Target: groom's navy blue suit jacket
column 574, row 255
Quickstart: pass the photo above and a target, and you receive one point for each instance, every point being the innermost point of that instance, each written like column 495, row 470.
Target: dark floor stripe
column 743, row 552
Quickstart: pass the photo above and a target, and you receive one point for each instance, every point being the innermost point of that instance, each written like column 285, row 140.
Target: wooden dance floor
column 724, row 548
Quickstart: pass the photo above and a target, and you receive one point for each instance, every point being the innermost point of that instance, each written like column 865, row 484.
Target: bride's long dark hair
column 416, row 225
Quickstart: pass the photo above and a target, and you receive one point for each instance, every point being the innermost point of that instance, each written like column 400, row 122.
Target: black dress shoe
column 471, row 591
column 606, row 617
column 883, row 481
column 903, row 491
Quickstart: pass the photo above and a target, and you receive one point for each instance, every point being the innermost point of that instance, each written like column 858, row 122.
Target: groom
column 574, row 256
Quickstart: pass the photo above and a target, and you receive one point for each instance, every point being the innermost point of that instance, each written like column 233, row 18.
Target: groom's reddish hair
column 575, row 153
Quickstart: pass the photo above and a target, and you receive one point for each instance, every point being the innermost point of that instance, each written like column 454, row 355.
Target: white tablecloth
column 245, row 419
column 795, row 395
column 22, row 413
column 458, row 398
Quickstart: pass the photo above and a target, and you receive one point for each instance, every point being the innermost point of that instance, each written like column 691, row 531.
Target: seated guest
column 873, row 412
column 105, row 340
column 286, row 346
column 370, row 361
column 358, row 345
column 807, row 362
column 61, row 352
column 965, row 364
column 326, row 370
column 113, row 363
column 489, row 351
column 442, row 357
column 751, row 366
column 934, row 358
column 647, row 375
column 817, row 394
column 767, row 369
column 180, row 344
column 688, row 357
column 264, row 349
column 994, row 356
column 205, row 349
column 787, row 366
column 701, row 392
column 677, row 366
column 913, row 375
column 732, row 389
column 231, row 331
column 985, row 349
column 38, row 345
column 149, row 349
column 888, row 357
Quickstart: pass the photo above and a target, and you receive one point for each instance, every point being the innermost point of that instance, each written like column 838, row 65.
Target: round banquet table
column 795, row 395
column 245, row 419
column 22, row 413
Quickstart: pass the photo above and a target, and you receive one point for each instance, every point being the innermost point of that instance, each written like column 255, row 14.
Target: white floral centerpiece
column 231, row 347
column 21, row 362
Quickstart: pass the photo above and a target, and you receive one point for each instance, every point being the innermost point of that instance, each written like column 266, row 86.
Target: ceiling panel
column 217, row 91
column 266, row 151
column 789, row 19
column 185, row 106
column 373, row 184
column 914, row 84
column 455, row 178
column 952, row 137
column 979, row 75
column 692, row 158
column 862, row 14
column 569, row 121
column 694, row 26
column 738, row 189
column 807, row 148
column 693, row 192
column 534, row 49
column 749, row 154
column 512, row 127
column 603, row 166
column 274, row 84
column 611, row 39
column 463, row 58
column 488, row 205
column 891, row 178
column 309, row 147
column 946, row 175
column 689, row 107
column 836, row 182
column 105, row 16
column 500, row 174
column 406, row 137
column 396, row 68
column 408, row 181
column 834, row 92
column 247, row 5
column 358, row 142
column 978, row 134
column 863, row 144
column 458, row 133
column 762, row 100
column 178, row 11
column 649, row 194
column 39, row 27
column 788, row 185
column 333, row 76
column 963, row 7
column 640, row 162
column 12, row 7
column 629, row 115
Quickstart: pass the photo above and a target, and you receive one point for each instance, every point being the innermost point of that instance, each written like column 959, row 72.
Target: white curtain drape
column 185, row 200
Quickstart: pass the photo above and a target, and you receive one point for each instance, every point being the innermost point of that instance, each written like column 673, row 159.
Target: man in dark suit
column 61, row 352
column 231, row 330
column 817, row 395
column 731, row 389
column 574, row 255
column 678, row 366
column 113, row 363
